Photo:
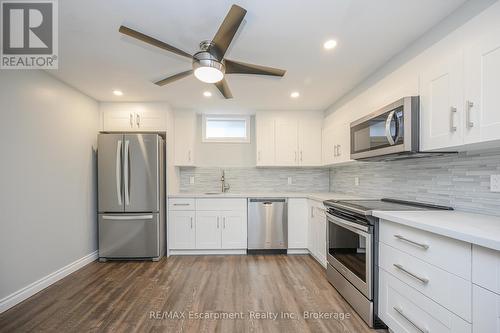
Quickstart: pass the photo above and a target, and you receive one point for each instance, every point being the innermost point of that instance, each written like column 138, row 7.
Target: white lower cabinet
column 317, row 232
column 234, row 230
column 405, row 309
column 297, row 223
column 181, row 230
column 208, row 233
column 486, row 311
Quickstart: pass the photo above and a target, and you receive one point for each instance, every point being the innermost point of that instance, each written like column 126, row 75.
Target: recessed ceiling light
column 207, row 94
column 330, row 44
column 117, row 92
column 295, row 94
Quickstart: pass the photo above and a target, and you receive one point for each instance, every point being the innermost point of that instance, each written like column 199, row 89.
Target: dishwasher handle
column 267, row 200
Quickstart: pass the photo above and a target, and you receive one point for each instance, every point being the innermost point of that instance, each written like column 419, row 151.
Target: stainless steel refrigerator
column 131, row 187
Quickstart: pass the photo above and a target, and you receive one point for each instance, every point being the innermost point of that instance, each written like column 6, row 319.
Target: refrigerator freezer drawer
column 129, row 235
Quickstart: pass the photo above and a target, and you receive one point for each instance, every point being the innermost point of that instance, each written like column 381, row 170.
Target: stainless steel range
column 352, row 250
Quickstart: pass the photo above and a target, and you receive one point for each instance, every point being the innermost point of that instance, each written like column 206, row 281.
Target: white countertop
column 483, row 230
column 322, row 196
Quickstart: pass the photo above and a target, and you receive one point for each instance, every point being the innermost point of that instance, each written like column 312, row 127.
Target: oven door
column 350, row 252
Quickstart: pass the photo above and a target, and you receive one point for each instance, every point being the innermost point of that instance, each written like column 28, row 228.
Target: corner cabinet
column 459, row 96
column 184, row 138
column 288, row 138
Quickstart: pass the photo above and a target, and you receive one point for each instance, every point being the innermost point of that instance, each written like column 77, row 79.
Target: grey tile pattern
column 255, row 179
column 461, row 181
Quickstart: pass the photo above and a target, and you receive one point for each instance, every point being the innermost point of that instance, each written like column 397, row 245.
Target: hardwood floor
column 153, row 297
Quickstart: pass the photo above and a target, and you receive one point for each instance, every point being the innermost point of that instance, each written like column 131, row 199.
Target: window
column 226, row 128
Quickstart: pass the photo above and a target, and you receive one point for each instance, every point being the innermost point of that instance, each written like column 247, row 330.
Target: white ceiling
column 289, row 34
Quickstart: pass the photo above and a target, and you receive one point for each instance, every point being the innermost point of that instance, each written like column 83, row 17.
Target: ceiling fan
column 209, row 64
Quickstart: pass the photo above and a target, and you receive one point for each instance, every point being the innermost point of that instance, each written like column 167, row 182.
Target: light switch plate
column 495, row 183
column 356, row 181
column 191, row 180
column 289, row 180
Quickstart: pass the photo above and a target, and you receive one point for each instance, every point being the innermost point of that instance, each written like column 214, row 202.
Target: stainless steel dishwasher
column 267, row 225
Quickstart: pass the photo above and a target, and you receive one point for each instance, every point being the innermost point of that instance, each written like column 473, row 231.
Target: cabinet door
column 118, row 120
column 181, row 230
column 264, row 137
column 320, row 218
column 311, row 229
column 234, row 230
column 286, row 142
column 343, row 142
column 208, row 230
column 297, row 223
column 485, row 311
column 441, row 104
column 482, row 85
column 328, row 146
column 309, row 142
column 184, row 138
column 151, row 120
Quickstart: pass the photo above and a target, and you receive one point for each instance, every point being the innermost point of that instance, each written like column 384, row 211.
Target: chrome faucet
column 224, row 187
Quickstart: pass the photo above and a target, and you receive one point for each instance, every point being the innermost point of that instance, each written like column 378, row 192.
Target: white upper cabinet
column 286, row 141
column 264, row 129
column 441, row 104
column 133, row 117
column 336, row 144
column 309, row 142
column 184, row 138
column 288, row 138
column 482, row 87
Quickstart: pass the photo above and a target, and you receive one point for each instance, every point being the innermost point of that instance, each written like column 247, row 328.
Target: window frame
column 207, row 117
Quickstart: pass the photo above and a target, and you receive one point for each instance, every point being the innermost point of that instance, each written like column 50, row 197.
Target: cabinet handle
column 404, row 239
column 469, row 105
column 189, row 155
column 295, row 158
column 338, row 150
column 181, row 204
column 453, row 127
column 400, row 311
column 413, row 275
column 131, row 120
column 301, row 155
column 191, row 222
column 218, row 222
column 138, row 119
column 224, row 222
column 258, row 156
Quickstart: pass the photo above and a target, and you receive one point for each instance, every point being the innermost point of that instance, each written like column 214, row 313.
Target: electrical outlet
column 191, row 180
column 495, row 183
column 289, row 180
column 356, row 181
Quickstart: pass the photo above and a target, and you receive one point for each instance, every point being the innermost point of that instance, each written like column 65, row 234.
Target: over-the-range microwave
column 390, row 133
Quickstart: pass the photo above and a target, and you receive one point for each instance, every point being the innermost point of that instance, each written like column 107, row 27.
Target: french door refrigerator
column 131, row 196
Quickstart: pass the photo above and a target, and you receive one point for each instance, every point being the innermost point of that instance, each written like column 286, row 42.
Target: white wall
column 400, row 77
column 214, row 154
column 168, row 126
column 48, row 136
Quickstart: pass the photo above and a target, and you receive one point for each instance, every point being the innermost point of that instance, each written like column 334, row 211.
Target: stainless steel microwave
column 389, row 133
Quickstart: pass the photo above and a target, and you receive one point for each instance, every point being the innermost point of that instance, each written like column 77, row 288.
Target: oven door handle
column 348, row 225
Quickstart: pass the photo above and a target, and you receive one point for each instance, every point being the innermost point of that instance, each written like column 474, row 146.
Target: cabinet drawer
column 446, row 253
column 404, row 309
column 221, row 204
column 486, row 268
column 181, row 204
column 486, row 316
column 449, row 290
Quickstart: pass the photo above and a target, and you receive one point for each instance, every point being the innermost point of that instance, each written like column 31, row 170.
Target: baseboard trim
column 206, row 252
column 298, row 251
column 33, row 288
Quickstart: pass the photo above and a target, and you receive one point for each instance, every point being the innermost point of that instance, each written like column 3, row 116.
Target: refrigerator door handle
column 118, row 172
column 125, row 218
column 126, row 172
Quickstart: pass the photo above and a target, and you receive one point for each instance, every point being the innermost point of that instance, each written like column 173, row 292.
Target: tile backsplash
column 461, row 181
column 247, row 179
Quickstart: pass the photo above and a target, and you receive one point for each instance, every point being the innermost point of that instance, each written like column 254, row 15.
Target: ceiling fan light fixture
column 208, row 74
column 207, row 68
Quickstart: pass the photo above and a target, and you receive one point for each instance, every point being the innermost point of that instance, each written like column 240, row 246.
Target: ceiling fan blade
column 153, row 41
column 228, row 28
column 224, row 88
column 236, row 67
column 173, row 78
